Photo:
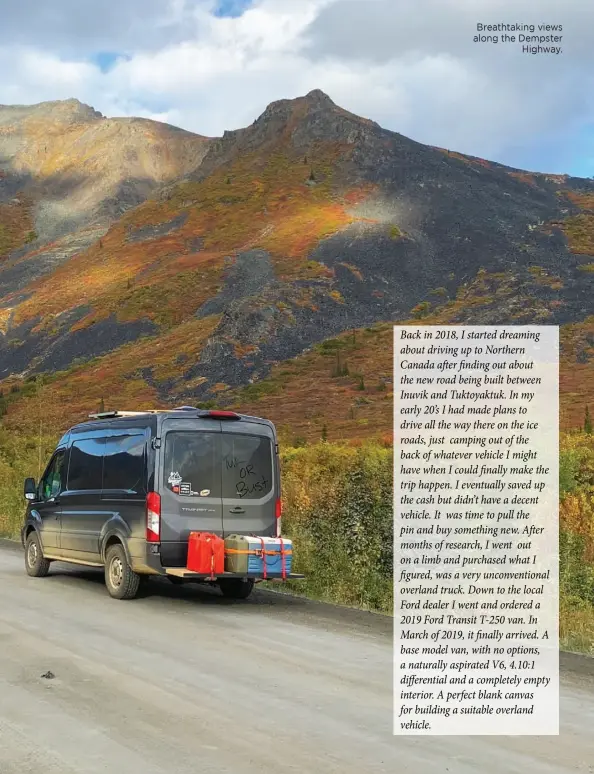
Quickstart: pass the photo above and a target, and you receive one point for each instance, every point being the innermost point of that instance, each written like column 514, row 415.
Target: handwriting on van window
column 245, row 469
column 244, row 488
column 233, row 462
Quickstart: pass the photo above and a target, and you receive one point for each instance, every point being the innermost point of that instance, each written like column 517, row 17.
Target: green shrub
column 338, row 510
column 421, row 310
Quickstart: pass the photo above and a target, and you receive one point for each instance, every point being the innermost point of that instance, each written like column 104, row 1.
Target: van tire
column 36, row 564
column 121, row 580
column 236, row 588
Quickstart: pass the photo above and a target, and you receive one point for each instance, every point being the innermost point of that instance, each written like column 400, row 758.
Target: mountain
column 231, row 269
column 67, row 173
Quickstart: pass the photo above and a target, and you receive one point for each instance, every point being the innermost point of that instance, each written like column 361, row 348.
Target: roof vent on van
column 185, row 408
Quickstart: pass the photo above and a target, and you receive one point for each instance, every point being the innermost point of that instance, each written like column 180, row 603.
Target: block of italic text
column 476, row 530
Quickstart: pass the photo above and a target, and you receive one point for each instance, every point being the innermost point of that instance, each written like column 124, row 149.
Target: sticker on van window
column 174, row 478
column 204, row 492
column 185, row 489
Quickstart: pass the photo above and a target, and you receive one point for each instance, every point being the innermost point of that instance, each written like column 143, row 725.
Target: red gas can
column 206, row 553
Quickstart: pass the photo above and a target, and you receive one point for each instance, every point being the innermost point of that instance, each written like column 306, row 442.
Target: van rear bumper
column 145, row 558
column 154, row 558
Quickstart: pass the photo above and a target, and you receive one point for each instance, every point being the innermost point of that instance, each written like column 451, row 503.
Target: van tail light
column 218, row 414
column 278, row 512
column 153, row 517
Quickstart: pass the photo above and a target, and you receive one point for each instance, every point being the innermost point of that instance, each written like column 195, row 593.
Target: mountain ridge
column 78, row 168
column 263, row 243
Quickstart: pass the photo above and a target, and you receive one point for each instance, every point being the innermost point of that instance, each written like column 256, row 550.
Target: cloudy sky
column 411, row 65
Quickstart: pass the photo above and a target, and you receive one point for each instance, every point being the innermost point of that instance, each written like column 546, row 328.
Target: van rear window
column 228, row 465
column 192, row 463
column 247, row 466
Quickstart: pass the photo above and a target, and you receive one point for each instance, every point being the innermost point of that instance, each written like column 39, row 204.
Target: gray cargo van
column 125, row 490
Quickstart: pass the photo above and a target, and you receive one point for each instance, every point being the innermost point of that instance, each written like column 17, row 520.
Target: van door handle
column 237, row 509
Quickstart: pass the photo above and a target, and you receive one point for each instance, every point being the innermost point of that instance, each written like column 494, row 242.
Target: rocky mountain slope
column 250, row 250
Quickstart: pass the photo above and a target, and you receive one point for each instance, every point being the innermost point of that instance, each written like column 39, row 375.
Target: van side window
column 247, row 466
column 124, row 463
column 86, row 464
column 193, row 458
column 52, row 482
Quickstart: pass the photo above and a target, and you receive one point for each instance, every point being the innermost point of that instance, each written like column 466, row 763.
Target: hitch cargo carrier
column 249, row 557
column 182, row 572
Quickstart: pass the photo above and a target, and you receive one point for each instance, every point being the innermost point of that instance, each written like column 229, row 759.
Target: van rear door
column 250, row 480
column 189, row 478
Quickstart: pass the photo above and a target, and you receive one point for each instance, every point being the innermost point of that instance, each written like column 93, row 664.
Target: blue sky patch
column 581, row 153
column 558, row 155
column 231, row 8
column 106, row 60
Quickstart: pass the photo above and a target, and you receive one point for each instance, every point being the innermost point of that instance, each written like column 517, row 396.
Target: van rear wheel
column 236, row 588
column 121, row 580
column 36, row 564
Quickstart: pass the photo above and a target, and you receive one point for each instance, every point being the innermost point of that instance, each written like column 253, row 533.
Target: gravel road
column 182, row 681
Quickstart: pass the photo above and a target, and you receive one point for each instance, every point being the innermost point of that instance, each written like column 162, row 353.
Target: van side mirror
column 30, row 490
